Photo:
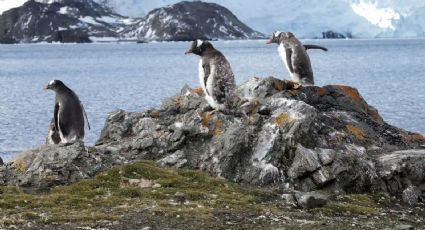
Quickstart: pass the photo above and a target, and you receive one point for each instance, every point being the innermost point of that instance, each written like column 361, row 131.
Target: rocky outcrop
column 335, row 35
column 188, row 21
column 59, row 21
column 297, row 138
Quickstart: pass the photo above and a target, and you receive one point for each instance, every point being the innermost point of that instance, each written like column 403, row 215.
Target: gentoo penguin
column 294, row 56
column 215, row 75
column 68, row 114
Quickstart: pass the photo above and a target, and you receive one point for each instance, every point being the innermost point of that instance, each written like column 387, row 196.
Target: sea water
column 389, row 74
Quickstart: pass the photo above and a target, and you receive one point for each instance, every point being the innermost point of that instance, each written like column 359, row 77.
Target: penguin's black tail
column 85, row 115
column 315, row 47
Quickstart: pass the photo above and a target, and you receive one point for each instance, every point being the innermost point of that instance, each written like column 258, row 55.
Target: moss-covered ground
column 143, row 196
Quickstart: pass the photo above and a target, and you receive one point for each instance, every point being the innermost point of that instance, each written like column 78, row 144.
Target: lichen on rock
column 303, row 138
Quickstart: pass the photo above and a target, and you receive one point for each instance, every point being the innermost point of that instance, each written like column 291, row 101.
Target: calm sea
column 390, row 75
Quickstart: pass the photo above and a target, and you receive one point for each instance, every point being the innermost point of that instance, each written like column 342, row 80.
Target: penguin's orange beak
column 269, row 42
column 188, row 52
column 46, row 87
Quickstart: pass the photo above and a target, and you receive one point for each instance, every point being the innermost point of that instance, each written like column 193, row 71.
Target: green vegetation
column 172, row 198
column 108, row 195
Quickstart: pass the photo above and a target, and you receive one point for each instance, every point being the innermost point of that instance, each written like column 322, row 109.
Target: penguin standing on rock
column 215, row 75
column 68, row 117
column 294, row 56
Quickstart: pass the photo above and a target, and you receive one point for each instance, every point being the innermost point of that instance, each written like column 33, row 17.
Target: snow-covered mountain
column 86, row 20
column 306, row 18
column 61, row 21
column 309, row 18
column 186, row 21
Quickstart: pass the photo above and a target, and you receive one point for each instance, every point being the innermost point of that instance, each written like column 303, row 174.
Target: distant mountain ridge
column 59, row 21
column 186, row 21
column 86, row 21
column 309, row 19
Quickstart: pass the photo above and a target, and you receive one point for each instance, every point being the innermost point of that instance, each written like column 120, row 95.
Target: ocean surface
column 390, row 74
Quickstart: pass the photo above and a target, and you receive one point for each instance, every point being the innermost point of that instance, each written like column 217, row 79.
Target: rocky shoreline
column 309, row 144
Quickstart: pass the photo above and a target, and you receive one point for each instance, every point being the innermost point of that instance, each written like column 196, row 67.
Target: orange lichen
column 351, row 92
column 414, row 137
column 178, row 101
column 375, row 115
column 155, row 114
column 357, row 132
column 282, row 119
column 206, row 118
column 218, row 129
column 293, row 93
column 198, row 91
column 278, row 85
column 321, row 91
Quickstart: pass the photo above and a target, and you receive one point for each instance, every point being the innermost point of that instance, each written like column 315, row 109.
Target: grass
column 181, row 197
column 104, row 197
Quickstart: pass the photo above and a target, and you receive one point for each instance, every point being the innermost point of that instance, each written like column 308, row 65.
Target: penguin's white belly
column 71, row 136
column 208, row 87
column 201, row 76
column 282, row 53
column 211, row 87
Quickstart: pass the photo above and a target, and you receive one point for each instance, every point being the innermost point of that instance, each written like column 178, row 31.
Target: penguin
column 68, row 115
column 215, row 76
column 294, row 56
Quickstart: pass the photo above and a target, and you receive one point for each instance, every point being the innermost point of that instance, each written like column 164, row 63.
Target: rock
column 175, row 160
column 305, row 161
column 139, row 183
column 289, row 199
column 188, row 21
column 52, row 165
column 311, row 199
column 326, row 156
column 332, row 34
column 305, row 138
column 401, row 170
column 411, row 195
column 404, row 227
column 180, row 197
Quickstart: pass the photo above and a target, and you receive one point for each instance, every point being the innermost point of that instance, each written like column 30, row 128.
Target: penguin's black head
column 278, row 37
column 198, row 47
column 54, row 85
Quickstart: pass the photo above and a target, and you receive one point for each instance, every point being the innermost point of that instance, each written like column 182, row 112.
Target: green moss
column 104, row 197
column 359, row 204
column 341, row 209
column 129, row 192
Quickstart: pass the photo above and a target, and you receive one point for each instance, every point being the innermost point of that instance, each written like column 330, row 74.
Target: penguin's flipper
column 289, row 60
column 56, row 116
column 315, row 47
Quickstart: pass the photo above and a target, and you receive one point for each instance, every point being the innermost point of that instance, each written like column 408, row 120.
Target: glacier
column 306, row 18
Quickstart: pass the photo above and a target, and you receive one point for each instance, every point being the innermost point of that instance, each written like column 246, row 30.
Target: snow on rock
column 66, row 21
column 188, row 21
column 360, row 18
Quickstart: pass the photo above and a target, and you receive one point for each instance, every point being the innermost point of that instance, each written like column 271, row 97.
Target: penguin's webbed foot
column 65, row 144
